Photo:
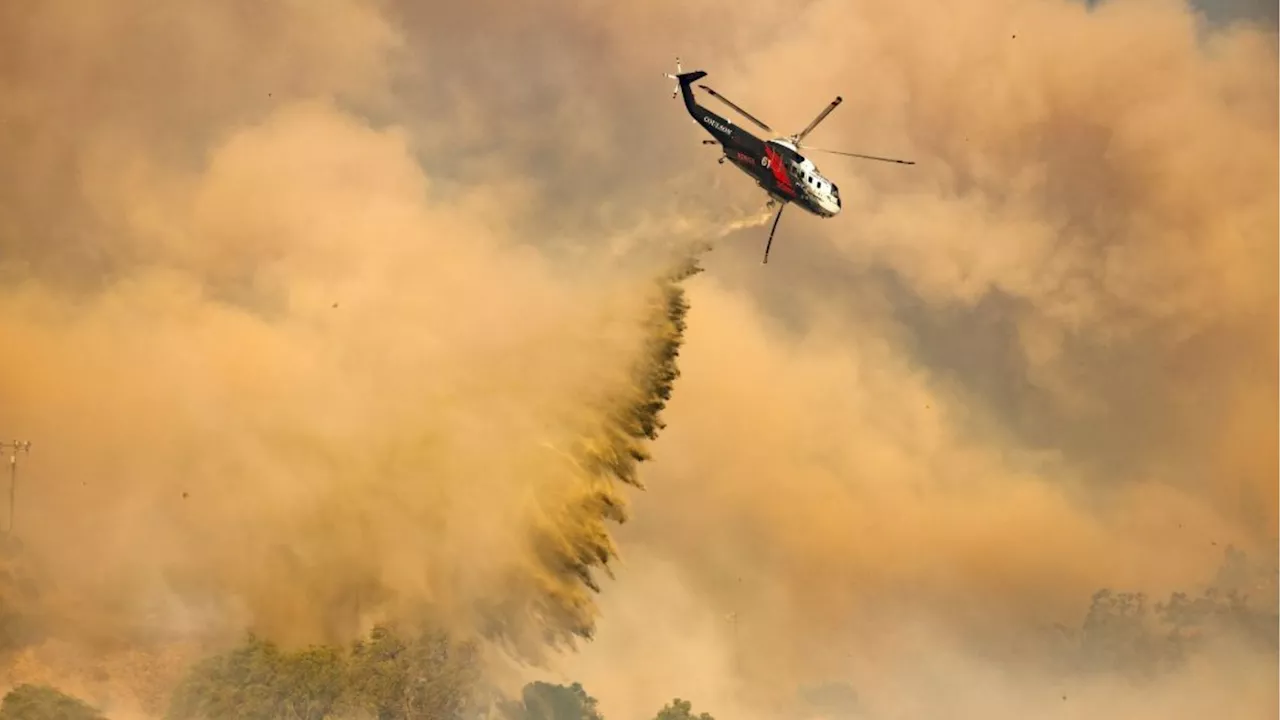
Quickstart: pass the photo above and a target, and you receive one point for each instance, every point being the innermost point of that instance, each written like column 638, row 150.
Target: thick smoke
column 1041, row 364
column 279, row 377
column 349, row 277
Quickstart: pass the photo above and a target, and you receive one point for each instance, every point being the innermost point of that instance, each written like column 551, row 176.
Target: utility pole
column 13, row 446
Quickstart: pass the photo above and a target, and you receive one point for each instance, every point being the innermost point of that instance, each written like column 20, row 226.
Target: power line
column 13, row 446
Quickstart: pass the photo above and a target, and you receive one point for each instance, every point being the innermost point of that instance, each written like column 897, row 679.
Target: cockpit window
column 835, row 190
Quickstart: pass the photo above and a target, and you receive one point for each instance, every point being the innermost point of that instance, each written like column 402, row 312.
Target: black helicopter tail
column 685, row 80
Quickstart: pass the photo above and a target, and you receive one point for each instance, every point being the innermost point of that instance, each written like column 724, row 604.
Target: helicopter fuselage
column 776, row 165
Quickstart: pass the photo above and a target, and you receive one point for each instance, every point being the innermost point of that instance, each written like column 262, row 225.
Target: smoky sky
column 351, row 275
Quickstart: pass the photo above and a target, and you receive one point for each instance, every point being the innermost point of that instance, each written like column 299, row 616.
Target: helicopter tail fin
column 684, row 78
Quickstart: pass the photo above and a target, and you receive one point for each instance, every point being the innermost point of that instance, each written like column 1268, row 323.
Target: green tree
column 259, row 682
column 679, row 709
column 386, row 676
column 39, row 702
column 427, row 676
column 544, row 701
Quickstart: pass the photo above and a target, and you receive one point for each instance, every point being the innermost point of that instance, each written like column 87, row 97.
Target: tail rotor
column 675, row 92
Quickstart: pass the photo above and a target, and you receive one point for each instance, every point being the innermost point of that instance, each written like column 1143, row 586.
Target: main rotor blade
column 740, row 111
column 857, row 155
column 819, row 119
column 773, row 229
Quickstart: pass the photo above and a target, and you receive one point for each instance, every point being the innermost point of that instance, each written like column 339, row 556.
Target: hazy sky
column 352, row 275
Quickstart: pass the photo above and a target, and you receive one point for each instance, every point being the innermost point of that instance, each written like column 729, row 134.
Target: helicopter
column 775, row 164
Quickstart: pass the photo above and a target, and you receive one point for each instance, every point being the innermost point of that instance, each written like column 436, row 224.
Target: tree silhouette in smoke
column 388, row 675
column 1124, row 633
column 399, row 674
column 39, row 702
column 679, row 709
column 830, row 700
column 544, row 701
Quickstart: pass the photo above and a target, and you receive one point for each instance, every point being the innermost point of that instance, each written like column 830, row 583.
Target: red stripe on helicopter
column 779, row 170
